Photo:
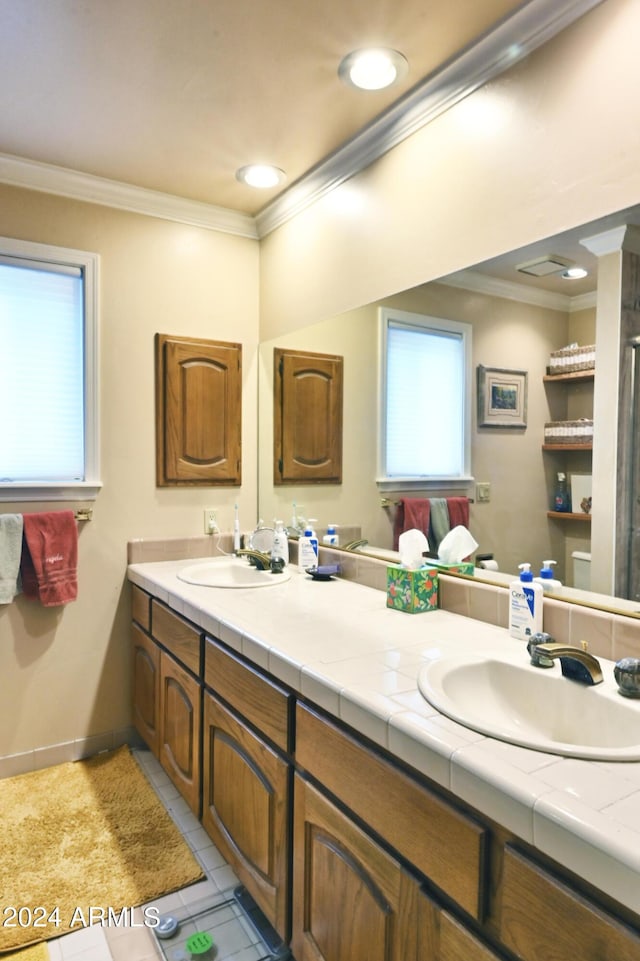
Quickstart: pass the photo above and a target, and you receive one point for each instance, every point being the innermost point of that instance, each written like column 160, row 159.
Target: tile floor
column 234, row 941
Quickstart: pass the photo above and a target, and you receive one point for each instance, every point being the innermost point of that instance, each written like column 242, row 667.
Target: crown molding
column 509, row 290
column 111, row 193
column 517, row 36
column 529, row 27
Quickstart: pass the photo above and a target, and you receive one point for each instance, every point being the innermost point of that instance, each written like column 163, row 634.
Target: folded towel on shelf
column 411, row 513
column 50, row 558
column 10, row 550
column 440, row 523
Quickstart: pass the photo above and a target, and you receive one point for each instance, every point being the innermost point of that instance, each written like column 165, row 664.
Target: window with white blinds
column 425, row 377
column 48, row 372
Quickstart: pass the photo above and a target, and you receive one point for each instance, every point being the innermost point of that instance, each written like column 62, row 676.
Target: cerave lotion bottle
column 525, row 605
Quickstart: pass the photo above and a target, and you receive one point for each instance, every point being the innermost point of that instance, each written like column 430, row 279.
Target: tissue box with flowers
column 413, row 591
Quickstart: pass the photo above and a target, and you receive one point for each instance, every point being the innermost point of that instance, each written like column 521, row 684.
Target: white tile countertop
column 338, row 644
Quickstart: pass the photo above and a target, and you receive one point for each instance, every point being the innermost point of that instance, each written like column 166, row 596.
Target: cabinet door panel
column 198, row 416
column 351, row 900
column 420, row 825
column 146, row 688
column 307, row 417
column 180, row 729
column 245, row 807
column 572, row 926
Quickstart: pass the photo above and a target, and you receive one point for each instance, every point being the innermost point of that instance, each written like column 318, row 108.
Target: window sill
column 387, row 484
column 83, row 490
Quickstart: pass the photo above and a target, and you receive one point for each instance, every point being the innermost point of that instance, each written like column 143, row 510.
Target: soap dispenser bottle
column 308, row 549
column 546, row 580
column 280, row 549
column 561, row 497
column 525, row 605
column 331, row 537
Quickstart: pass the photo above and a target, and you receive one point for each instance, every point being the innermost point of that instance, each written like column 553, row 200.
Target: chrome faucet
column 575, row 662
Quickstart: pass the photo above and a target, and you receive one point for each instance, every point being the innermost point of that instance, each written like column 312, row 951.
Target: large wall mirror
column 518, row 319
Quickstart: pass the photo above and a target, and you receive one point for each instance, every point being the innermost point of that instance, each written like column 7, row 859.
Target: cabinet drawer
column 444, row 844
column 140, row 607
column 257, row 698
column 177, row 635
column 539, row 910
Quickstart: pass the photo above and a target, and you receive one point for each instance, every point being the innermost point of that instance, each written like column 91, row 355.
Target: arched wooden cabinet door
column 307, row 426
column 351, row 900
column 198, row 412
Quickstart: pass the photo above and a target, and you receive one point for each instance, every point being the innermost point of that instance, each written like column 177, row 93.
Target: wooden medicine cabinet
column 198, row 412
column 307, row 411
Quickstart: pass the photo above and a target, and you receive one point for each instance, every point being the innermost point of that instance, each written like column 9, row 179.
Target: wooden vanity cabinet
column 180, row 697
column 167, row 691
column 441, row 937
column 146, row 688
column 352, row 901
column 539, row 910
column 247, row 778
column 245, row 808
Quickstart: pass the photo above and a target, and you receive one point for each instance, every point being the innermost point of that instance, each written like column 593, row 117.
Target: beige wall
column 547, row 146
column 65, row 671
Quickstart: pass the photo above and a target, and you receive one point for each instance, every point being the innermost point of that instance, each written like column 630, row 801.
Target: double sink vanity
column 298, row 722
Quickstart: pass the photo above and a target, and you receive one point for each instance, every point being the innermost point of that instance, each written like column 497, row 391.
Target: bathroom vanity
column 364, row 824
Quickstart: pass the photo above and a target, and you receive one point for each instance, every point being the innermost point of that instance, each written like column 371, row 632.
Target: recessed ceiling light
column 373, row 68
column 260, row 175
column 575, row 273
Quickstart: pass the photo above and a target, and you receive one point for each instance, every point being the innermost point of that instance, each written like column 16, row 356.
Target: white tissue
column 456, row 545
column 412, row 545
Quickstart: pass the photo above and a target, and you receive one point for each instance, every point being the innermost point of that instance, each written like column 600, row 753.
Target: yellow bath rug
column 83, row 843
column 38, row 952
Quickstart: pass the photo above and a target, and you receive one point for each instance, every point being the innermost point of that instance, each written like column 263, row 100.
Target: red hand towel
column 50, row 558
column 411, row 512
column 458, row 511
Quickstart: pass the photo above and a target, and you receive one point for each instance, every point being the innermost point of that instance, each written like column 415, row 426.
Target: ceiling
column 175, row 95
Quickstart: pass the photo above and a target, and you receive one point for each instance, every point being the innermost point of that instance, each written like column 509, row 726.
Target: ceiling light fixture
column 574, row 273
column 261, row 175
column 373, row 68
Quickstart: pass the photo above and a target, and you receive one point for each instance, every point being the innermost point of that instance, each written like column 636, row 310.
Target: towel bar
column 84, row 514
column 385, row 502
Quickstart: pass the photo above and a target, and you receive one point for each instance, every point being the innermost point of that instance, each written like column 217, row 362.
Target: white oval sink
column 508, row 698
column 231, row 572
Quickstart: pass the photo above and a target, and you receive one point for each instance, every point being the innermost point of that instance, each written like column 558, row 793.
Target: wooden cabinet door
column 146, row 688
column 307, row 426
column 542, row 917
column 198, row 412
column 351, row 900
column 245, row 809
column 180, row 729
column 441, row 937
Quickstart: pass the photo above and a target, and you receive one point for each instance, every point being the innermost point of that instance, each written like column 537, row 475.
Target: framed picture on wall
column 502, row 397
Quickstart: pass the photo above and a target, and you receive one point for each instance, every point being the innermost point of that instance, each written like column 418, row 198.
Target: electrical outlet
column 483, row 492
column 210, row 520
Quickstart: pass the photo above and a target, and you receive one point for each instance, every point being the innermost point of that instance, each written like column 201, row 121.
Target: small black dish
column 324, row 572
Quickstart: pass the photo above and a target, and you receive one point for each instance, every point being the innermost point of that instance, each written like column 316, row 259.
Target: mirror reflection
column 519, row 318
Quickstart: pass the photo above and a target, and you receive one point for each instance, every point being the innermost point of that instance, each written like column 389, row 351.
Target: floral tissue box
column 412, row 591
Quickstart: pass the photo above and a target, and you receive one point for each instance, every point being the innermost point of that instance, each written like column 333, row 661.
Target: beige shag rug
column 83, row 842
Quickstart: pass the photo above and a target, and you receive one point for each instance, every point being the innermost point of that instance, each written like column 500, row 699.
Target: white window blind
column 425, row 376
column 48, row 370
